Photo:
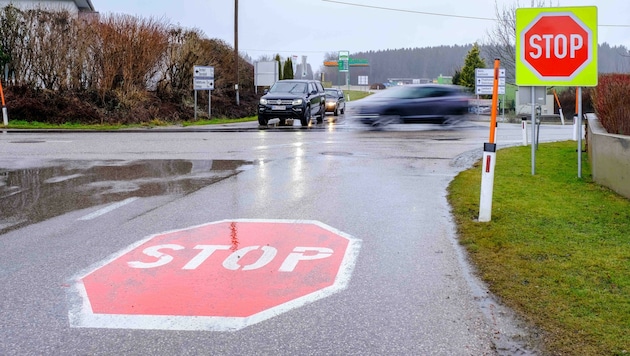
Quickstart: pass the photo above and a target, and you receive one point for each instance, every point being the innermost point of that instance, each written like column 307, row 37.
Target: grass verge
column 34, row 125
column 557, row 250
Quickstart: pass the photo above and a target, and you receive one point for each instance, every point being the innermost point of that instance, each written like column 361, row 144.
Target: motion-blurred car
column 415, row 103
column 335, row 101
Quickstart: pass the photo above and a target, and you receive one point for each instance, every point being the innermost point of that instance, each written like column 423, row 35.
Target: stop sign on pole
column 219, row 276
column 556, row 46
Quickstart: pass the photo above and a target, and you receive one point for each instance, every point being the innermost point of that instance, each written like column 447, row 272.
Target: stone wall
column 609, row 157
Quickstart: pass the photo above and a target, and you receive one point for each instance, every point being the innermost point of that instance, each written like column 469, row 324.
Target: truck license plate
column 278, row 107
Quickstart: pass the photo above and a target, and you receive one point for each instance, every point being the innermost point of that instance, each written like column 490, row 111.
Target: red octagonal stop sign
column 219, row 276
column 556, row 46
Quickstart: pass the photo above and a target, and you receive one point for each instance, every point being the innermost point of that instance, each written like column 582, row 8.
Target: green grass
column 20, row 124
column 356, row 94
column 557, row 249
column 218, row 121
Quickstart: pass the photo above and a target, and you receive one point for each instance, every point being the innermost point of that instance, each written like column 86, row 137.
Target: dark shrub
column 567, row 100
column 611, row 99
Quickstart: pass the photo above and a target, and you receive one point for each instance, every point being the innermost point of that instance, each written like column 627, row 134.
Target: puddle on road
column 42, row 191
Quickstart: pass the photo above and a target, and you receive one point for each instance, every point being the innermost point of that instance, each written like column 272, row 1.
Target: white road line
column 107, row 209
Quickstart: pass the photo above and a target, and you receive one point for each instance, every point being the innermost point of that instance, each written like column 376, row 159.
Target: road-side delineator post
column 555, row 95
column 524, row 130
column 5, row 115
column 489, row 155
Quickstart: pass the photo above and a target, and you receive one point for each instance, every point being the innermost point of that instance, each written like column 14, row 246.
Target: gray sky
column 315, row 27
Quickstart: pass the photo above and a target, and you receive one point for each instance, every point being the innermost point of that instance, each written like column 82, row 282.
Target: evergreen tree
column 287, row 73
column 279, row 60
column 473, row 60
column 456, row 77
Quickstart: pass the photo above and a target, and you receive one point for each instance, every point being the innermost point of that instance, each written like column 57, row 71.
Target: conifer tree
column 287, row 72
column 279, row 60
column 473, row 60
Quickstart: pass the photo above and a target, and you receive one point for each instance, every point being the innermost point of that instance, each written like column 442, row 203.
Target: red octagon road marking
column 219, row 276
column 556, row 45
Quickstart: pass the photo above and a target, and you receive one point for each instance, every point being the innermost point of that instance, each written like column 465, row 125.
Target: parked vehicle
column 335, row 101
column 293, row 99
column 415, row 103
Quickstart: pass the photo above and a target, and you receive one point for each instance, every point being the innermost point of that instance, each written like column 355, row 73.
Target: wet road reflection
column 40, row 192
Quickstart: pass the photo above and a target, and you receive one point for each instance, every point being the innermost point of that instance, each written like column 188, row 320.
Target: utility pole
column 236, row 49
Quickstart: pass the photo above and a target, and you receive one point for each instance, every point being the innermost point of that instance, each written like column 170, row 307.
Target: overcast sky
column 316, row 27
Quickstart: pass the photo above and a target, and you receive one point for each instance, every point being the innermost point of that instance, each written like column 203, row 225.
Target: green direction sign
column 358, row 62
column 344, row 59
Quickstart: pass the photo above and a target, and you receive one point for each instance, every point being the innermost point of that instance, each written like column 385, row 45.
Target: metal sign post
column 557, row 46
column 579, row 131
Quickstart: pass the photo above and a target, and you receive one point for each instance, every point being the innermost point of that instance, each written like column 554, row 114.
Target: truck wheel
column 336, row 112
column 262, row 121
column 305, row 120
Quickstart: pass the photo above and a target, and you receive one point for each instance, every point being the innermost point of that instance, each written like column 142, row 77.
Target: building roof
column 84, row 5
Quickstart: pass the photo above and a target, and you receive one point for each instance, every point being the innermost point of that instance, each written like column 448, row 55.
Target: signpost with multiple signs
column 484, row 81
column 344, row 61
column 203, row 79
column 557, row 46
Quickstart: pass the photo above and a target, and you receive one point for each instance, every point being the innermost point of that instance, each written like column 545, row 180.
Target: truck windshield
column 288, row 87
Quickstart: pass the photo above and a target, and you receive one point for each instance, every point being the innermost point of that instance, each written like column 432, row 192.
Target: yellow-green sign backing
column 556, row 46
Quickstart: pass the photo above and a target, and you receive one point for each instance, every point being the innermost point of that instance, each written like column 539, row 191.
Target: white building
column 72, row 6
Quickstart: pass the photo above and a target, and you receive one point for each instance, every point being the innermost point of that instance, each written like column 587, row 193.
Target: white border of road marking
column 80, row 312
column 108, row 208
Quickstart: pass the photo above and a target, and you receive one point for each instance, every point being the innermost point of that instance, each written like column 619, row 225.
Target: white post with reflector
column 487, row 182
column 489, row 155
column 524, row 130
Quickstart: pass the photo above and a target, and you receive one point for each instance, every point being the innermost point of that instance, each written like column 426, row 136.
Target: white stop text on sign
column 269, row 253
column 558, row 45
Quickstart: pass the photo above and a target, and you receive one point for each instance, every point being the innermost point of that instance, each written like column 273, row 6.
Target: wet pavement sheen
column 37, row 193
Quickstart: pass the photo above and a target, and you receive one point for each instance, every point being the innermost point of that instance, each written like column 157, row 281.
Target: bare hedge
column 612, row 104
column 124, row 68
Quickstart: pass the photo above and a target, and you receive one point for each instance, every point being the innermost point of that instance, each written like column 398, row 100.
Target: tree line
column 431, row 62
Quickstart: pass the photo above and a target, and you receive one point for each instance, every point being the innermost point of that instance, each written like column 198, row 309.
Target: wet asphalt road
column 410, row 291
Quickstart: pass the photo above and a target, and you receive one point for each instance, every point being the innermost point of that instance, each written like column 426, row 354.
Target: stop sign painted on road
column 556, row 46
column 219, row 276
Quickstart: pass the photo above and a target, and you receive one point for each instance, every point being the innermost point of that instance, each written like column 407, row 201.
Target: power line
column 411, row 11
column 434, row 13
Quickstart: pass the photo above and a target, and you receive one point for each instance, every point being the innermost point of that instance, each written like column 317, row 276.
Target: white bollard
column 524, row 130
column 5, row 116
column 575, row 128
column 487, row 182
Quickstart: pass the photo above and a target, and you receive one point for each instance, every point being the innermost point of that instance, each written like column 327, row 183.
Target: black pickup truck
column 293, row 99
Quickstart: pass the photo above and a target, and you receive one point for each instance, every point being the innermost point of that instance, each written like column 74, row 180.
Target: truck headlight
column 296, row 102
column 263, row 101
